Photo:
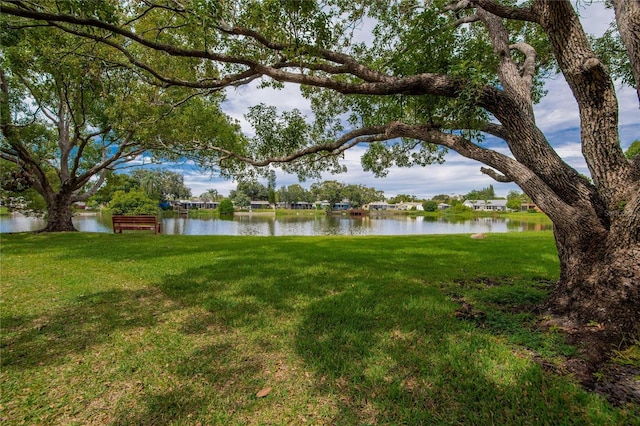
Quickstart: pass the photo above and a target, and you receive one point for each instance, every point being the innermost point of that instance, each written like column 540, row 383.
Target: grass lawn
column 161, row 329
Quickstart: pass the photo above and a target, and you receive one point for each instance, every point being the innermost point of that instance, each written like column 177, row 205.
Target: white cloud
column 199, row 184
column 558, row 110
column 458, row 175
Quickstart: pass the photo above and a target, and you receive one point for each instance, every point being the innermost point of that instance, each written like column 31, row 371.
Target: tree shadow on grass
column 382, row 347
column 162, row 408
column 394, row 363
column 34, row 343
column 380, row 351
column 205, row 371
column 73, row 329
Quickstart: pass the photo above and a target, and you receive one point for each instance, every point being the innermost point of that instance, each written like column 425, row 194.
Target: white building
column 409, row 206
column 487, row 205
column 377, row 205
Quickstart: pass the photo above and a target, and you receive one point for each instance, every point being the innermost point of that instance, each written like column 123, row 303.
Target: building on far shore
column 257, row 204
column 194, row 204
column 377, row 206
column 487, row 205
column 409, row 205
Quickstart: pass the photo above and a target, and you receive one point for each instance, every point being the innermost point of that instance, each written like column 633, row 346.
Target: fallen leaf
column 264, row 392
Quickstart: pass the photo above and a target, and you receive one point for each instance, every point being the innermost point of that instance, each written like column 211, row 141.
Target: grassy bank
column 146, row 329
column 300, row 212
column 533, row 217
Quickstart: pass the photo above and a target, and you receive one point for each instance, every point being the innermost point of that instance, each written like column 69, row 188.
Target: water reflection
column 19, row 223
column 296, row 225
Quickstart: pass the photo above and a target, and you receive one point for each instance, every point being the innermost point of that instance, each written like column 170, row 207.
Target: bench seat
column 136, row 223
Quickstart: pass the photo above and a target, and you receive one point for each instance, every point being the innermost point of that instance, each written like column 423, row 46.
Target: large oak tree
column 435, row 75
column 70, row 115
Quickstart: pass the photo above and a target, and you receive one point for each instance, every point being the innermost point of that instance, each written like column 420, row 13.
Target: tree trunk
column 599, row 281
column 59, row 213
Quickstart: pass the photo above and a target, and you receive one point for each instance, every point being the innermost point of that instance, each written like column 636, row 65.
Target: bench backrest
column 134, row 219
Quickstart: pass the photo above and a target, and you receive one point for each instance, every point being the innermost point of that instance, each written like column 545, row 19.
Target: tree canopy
column 133, row 202
column 161, row 184
column 70, row 115
column 633, row 150
column 487, row 193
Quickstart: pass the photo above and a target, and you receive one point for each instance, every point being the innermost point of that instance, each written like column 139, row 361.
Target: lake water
column 294, row 225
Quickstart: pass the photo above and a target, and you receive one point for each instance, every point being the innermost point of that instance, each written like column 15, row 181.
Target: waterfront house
column 343, row 205
column 194, row 204
column 487, row 205
column 377, row 205
column 302, row 205
column 410, row 205
column 260, row 204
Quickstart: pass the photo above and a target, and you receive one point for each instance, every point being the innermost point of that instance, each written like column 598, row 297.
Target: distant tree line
column 334, row 192
column 161, row 184
column 157, row 184
column 330, row 191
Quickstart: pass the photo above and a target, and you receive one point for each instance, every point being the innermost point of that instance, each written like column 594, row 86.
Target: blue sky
column 556, row 114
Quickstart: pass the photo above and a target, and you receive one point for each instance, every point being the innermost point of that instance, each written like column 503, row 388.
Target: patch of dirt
column 468, row 312
column 620, row 384
column 592, row 366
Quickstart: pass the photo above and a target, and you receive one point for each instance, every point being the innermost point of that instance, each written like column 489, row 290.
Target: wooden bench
column 135, row 223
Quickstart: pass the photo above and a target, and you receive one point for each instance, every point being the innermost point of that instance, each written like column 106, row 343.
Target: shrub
column 225, row 207
column 459, row 208
column 430, row 206
column 132, row 202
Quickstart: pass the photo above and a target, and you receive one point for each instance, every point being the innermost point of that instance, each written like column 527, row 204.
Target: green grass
column 529, row 217
column 300, row 212
column 160, row 329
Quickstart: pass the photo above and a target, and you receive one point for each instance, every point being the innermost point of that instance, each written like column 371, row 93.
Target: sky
column 556, row 115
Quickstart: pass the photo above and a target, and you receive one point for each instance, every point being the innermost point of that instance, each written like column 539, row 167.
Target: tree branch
column 374, row 83
column 496, row 176
column 594, row 92
column 466, row 20
column 349, row 63
column 528, row 68
column 512, row 170
column 120, row 154
column 91, row 191
column 49, row 114
column 348, row 140
column 458, row 5
column 9, row 155
column 81, row 147
column 497, row 130
column 508, row 72
column 508, row 12
column 230, row 80
column 19, row 155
